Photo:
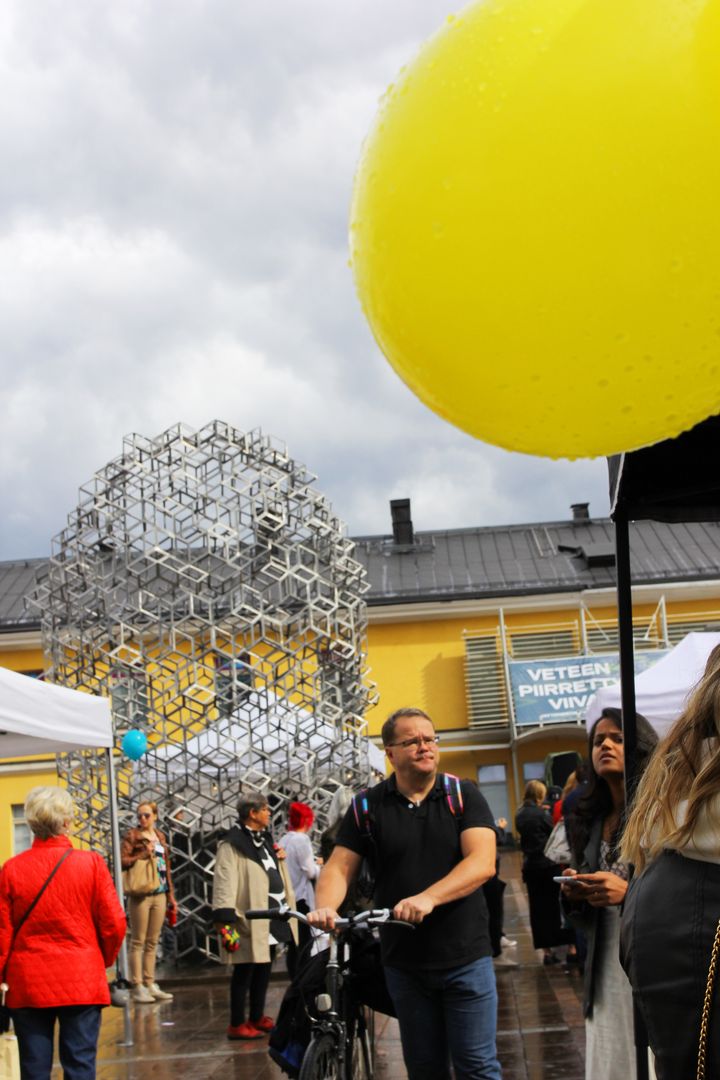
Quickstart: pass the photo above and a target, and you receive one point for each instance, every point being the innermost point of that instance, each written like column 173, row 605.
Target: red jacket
column 72, row 935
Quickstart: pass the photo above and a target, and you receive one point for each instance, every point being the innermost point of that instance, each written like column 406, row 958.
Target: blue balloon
column 134, row 744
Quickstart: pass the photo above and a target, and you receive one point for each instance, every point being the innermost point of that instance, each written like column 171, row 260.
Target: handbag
column 707, row 1003
column 119, row 993
column 141, row 878
column 9, row 1057
column 4, row 1010
column 557, row 848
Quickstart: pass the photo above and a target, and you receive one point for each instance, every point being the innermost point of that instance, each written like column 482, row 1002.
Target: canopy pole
column 121, row 967
column 629, row 720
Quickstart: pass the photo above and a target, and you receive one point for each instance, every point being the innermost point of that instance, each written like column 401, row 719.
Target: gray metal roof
column 516, row 560
column 497, row 561
column 16, row 581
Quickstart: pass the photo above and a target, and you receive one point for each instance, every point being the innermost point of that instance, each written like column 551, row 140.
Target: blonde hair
column 153, row 806
column 535, row 792
column 47, row 809
column 570, row 784
column 680, row 769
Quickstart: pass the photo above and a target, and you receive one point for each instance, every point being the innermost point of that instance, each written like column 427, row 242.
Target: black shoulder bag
column 4, row 1010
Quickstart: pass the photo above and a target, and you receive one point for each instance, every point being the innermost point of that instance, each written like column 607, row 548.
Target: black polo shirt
column 417, row 846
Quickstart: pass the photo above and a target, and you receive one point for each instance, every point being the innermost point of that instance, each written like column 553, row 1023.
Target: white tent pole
column 122, row 968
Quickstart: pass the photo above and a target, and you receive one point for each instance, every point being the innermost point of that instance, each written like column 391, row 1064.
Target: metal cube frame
column 207, row 588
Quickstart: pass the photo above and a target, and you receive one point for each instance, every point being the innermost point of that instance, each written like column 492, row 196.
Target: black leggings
column 252, row 977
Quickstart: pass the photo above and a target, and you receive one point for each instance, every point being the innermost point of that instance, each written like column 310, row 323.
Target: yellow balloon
column 535, row 228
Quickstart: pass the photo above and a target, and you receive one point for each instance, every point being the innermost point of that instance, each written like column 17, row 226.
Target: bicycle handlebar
column 374, row 917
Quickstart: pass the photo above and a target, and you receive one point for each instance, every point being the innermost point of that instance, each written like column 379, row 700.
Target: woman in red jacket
column 54, row 963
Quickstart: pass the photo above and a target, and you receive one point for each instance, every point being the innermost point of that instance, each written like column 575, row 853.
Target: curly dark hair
column 597, row 800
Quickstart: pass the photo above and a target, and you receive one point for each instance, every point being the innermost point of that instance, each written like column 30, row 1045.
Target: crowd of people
column 630, row 892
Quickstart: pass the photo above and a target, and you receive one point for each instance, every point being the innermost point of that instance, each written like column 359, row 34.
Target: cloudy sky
column 173, row 247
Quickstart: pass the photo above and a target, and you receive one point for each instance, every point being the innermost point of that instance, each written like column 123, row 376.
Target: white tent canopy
column 41, row 718
column 661, row 690
column 269, row 726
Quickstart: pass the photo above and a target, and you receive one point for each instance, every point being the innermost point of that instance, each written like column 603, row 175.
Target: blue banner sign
column 558, row 690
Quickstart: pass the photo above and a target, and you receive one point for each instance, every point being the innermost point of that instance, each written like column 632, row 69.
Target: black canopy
column 674, row 480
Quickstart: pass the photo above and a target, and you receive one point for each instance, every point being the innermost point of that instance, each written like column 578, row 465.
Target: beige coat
column 241, row 883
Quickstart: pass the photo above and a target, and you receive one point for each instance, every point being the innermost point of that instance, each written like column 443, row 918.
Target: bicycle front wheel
column 361, row 1051
column 321, row 1060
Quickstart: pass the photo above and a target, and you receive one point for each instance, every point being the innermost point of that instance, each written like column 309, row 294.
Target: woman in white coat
column 249, row 874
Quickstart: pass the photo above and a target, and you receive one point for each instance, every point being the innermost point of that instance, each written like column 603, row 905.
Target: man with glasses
column 430, row 860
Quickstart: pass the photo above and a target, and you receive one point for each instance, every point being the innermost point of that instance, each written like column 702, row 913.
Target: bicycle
column 341, row 1043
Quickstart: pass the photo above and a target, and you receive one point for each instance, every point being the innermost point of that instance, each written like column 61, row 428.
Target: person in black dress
column 534, row 825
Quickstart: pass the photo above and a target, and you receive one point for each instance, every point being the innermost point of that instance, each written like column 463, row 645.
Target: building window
column 485, row 682
column 534, row 770
column 492, row 781
column 22, row 836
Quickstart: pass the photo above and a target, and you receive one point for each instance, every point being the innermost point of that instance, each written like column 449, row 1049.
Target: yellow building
column 457, row 620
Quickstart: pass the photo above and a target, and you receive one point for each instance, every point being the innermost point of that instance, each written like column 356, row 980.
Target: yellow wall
column 13, row 791
column 421, row 664
column 22, row 659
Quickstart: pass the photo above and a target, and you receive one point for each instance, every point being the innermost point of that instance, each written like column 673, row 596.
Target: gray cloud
column 173, row 247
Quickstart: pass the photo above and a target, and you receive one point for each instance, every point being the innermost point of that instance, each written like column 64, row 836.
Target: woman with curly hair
column 673, row 904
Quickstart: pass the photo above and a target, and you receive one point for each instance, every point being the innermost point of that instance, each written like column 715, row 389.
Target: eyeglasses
column 420, row 740
column 144, row 815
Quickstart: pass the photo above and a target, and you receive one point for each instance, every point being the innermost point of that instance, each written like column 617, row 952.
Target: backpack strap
column 452, row 788
column 361, row 811
column 453, row 794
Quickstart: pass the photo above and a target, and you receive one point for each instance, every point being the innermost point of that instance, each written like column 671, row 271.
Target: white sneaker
column 157, row 994
column 142, row 995
column 507, row 943
column 504, row 961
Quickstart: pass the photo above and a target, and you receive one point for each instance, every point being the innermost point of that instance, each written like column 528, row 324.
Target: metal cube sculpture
column 208, row 589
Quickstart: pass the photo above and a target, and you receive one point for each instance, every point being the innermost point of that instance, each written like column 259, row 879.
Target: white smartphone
column 565, row 880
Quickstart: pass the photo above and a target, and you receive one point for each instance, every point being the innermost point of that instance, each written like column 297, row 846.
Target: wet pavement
column 540, row 1027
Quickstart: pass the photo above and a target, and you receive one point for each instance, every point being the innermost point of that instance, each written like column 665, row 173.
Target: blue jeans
column 77, row 1043
column 447, row 1016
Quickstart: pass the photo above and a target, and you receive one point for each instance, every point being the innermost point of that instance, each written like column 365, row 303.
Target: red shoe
column 244, row 1031
column 265, row 1023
